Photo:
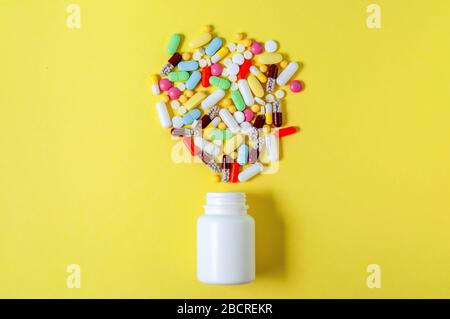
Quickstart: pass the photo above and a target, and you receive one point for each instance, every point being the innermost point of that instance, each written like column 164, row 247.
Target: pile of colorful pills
column 226, row 101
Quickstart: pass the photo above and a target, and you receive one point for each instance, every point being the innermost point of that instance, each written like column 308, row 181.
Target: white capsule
column 239, row 116
column 272, row 147
column 163, row 115
column 177, row 122
column 213, row 98
column 238, row 58
column 246, row 127
column 155, row 89
column 215, row 121
column 206, row 146
column 250, row 172
column 279, row 94
column 244, row 88
column 287, row 73
column 229, row 120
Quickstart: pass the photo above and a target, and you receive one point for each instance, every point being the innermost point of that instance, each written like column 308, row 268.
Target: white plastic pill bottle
column 225, row 240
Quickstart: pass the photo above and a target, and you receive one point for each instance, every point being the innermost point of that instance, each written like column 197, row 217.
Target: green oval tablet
column 174, row 42
column 178, row 76
column 238, row 100
column 219, row 82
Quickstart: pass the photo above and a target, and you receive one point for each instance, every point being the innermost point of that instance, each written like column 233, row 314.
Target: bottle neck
column 225, row 203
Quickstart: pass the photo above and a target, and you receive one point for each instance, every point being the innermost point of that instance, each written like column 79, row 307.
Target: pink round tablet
column 174, row 93
column 165, row 84
column 296, row 86
column 216, row 69
column 248, row 115
column 256, row 48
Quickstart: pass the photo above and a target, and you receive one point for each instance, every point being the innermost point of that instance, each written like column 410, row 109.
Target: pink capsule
column 256, row 48
column 296, row 86
column 248, row 115
column 216, row 69
column 174, row 93
column 165, row 84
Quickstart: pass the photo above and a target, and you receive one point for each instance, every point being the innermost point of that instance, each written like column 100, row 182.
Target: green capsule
column 238, row 100
column 227, row 134
column 217, row 134
column 178, row 76
column 219, row 82
column 174, row 42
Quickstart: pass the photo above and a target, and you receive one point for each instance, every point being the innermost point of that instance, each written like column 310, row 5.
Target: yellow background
column 86, row 175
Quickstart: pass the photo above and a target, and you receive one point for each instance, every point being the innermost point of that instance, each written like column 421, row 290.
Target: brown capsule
column 253, row 155
column 259, row 121
column 277, row 114
column 226, row 162
column 182, row 132
column 175, row 59
column 273, row 71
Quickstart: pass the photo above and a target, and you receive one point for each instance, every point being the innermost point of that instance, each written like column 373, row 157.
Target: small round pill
column 271, row 46
column 165, row 84
column 165, row 99
column 175, row 104
column 181, row 86
column 263, row 68
column 174, row 93
column 221, row 126
column 181, row 110
column 231, row 46
column 270, row 98
column 240, row 48
column 197, row 56
column 208, row 28
column 188, row 93
column 256, row 48
column 239, row 36
column 231, row 108
column 216, row 69
column 202, row 63
column 296, row 86
column 187, row 56
column 255, row 108
column 239, row 116
column 248, row 115
column 284, row 63
column 247, row 42
column 238, row 59
column 182, row 99
column 248, row 55
column 280, row 94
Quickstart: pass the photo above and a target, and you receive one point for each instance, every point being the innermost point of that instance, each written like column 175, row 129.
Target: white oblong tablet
column 163, row 115
column 287, row 73
column 213, row 98
column 244, row 88
column 229, row 120
column 250, row 172
column 272, row 147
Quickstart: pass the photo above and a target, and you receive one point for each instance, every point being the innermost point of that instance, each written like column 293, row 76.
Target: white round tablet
column 248, row 55
column 270, row 98
column 240, row 48
column 271, row 46
column 202, row 63
column 197, row 56
column 238, row 58
column 232, row 47
column 280, row 94
column 233, row 69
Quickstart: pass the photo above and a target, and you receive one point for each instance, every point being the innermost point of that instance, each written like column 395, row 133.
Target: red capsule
column 244, row 69
column 234, row 172
column 187, row 140
column 175, row 59
column 259, row 121
column 206, row 74
column 285, row 131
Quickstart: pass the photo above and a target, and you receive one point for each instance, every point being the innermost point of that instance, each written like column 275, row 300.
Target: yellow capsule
column 195, row 100
column 208, row 28
column 165, row 98
column 223, row 51
column 239, row 36
column 259, row 75
column 155, row 84
column 222, row 126
column 182, row 99
column 284, row 63
column 247, row 42
column 231, row 108
column 269, row 58
column 263, row 68
column 200, row 41
column 186, row 56
column 232, row 144
column 268, row 114
column 225, row 102
column 188, row 93
column 255, row 86
column 255, row 108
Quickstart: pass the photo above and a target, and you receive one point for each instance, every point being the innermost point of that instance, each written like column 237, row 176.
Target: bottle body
column 226, row 242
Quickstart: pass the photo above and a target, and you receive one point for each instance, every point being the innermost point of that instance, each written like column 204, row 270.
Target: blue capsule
column 242, row 154
column 193, row 80
column 191, row 116
column 188, row 66
column 213, row 46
